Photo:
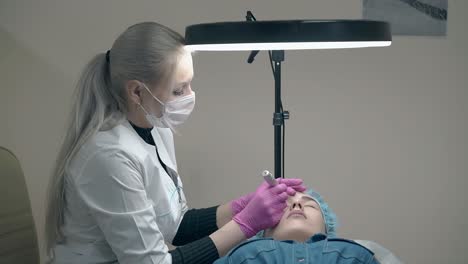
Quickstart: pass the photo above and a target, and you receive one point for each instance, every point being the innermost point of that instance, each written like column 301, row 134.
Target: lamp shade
column 288, row 35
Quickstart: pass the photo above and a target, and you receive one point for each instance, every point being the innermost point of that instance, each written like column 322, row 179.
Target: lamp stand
column 279, row 115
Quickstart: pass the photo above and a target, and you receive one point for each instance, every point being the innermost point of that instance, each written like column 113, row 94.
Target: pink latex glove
column 240, row 203
column 294, row 185
column 264, row 209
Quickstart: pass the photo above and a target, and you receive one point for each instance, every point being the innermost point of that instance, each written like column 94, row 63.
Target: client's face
column 302, row 219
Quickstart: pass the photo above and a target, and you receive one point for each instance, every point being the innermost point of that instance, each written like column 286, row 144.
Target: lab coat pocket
column 164, row 208
column 168, row 199
column 97, row 251
column 101, row 250
column 167, row 208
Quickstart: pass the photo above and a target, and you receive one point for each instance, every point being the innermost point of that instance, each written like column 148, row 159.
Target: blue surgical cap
column 329, row 217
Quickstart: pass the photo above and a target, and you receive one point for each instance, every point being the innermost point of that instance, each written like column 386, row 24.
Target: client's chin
column 294, row 231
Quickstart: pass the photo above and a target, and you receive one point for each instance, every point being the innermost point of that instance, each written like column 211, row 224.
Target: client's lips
column 297, row 212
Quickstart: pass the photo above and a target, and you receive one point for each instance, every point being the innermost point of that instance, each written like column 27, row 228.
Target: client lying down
column 305, row 234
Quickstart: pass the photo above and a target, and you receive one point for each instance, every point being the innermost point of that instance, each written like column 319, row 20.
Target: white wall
column 380, row 132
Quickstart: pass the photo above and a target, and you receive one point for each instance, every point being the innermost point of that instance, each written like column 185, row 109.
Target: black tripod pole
column 278, row 117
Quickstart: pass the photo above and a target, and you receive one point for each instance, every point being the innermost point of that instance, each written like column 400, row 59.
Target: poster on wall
column 410, row 17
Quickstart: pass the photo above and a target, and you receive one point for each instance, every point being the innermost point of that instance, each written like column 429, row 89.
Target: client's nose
column 296, row 204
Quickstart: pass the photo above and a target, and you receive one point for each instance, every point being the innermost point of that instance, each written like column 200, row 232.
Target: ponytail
column 94, row 107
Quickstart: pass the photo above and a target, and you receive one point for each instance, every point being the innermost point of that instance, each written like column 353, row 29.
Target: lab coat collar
column 160, row 146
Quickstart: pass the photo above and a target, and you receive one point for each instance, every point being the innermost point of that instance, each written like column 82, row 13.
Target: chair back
column 18, row 241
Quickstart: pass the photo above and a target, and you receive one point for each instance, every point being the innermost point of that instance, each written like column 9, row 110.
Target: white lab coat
column 121, row 204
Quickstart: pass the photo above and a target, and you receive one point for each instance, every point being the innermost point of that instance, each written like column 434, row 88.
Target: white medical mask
column 174, row 113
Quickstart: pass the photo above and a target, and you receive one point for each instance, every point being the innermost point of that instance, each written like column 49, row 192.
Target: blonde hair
column 147, row 52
